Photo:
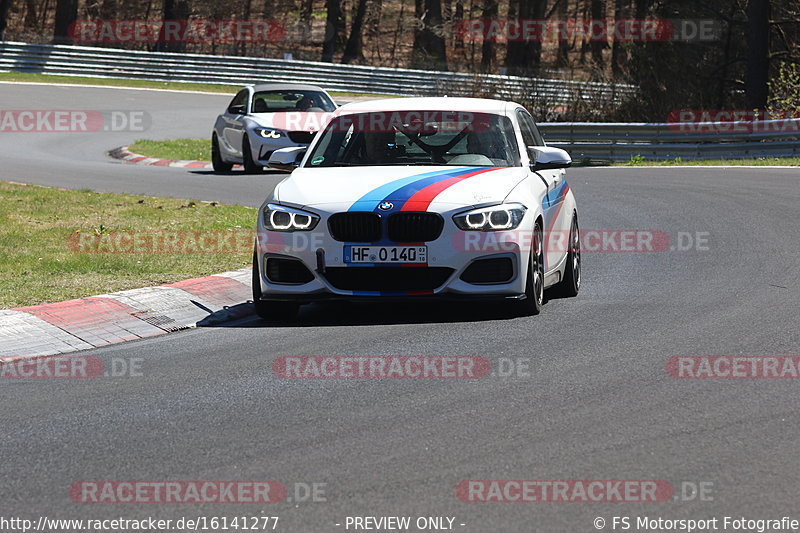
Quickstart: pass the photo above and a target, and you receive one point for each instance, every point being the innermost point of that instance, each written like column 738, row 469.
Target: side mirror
column 548, row 158
column 236, row 109
column 287, row 159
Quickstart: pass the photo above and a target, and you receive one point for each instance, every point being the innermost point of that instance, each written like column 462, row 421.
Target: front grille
column 387, row 278
column 288, row 271
column 495, row 270
column 355, row 227
column 301, row 137
column 415, row 227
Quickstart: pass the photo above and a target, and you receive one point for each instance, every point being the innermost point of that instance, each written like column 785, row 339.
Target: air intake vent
column 287, row 271
column 401, row 279
column 495, row 270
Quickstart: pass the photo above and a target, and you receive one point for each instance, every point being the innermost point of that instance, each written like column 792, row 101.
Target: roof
column 475, row 105
column 286, row 87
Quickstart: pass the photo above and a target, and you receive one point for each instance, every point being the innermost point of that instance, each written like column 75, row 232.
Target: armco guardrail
column 711, row 140
column 162, row 66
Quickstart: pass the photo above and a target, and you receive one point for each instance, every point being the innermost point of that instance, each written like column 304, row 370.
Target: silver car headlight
column 269, row 133
column 282, row 218
column 494, row 218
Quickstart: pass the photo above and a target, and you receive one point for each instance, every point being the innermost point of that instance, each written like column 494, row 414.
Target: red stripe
column 421, row 199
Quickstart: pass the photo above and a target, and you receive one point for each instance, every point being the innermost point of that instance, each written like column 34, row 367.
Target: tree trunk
column 562, row 54
column 617, row 50
column 334, row 28
column 174, row 10
column 598, row 8
column 490, row 12
column 104, row 10
column 29, row 22
column 354, row 50
column 429, row 46
column 372, row 30
column 306, row 11
column 756, row 89
column 66, row 14
column 248, row 6
column 5, row 6
column 525, row 57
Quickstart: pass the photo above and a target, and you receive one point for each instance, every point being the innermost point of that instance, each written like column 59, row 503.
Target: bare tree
column 334, row 29
column 562, row 54
column 756, row 81
column 488, row 50
column 598, row 12
column 5, row 6
column 306, row 11
column 354, row 49
column 617, row 51
column 429, row 45
column 174, row 10
column 66, row 14
column 524, row 55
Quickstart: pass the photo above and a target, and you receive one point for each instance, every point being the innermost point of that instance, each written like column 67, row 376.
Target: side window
column 239, row 100
column 530, row 133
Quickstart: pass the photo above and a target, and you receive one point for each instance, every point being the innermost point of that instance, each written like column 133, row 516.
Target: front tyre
column 250, row 166
column 534, row 286
column 571, row 284
column 216, row 158
column 270, row 310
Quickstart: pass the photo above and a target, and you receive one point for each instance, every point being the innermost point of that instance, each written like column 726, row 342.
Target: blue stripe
column 405, row 186
column 555, row 196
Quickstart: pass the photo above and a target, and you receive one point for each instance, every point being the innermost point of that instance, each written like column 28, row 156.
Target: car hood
column 414, row 188
column 290, row 120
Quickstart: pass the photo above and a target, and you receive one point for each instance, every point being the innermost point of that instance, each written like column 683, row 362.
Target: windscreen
column 417, row 138
column 277, row 101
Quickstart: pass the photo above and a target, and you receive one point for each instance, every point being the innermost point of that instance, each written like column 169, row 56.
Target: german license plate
column 385, row 254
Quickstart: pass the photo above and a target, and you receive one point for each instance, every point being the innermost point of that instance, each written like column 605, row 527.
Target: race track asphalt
column 595, row 403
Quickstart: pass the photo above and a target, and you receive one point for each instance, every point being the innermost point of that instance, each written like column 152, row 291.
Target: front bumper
column 262, row 147
column 449, row 256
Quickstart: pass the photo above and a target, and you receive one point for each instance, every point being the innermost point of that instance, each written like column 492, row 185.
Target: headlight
column 495, row 218
column 268, row 133
column 281, row 218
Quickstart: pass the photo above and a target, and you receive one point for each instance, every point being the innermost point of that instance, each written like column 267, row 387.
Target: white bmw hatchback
column 419, row 198
column 267, row 117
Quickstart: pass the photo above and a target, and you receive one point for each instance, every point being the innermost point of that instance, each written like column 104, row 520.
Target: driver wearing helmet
column 378, row 146
column 484, row 143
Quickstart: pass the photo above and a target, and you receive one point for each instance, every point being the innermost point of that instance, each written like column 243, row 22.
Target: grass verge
column 642, row 162
column 180, row 149
column 43, row 230
column 756, row 161
column 148, row 84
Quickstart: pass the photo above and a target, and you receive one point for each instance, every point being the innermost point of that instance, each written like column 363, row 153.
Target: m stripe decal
column 421, row 200
column 370, row 201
